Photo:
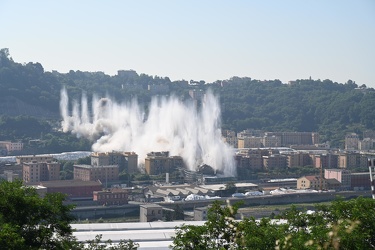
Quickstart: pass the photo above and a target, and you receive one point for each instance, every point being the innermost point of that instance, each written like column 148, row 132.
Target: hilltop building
column 11, row 146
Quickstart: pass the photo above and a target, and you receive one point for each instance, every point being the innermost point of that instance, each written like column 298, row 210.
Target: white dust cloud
column 171, row 125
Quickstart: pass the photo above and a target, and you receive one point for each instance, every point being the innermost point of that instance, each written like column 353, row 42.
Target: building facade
column 11, row 146
column 274, row 161
column 360, row 181
column 296, row 138
column 114, row 196
column 250, row 142
column 31, row 158
column 342, row 175
column 127, row 161
column 298, row 159
column 351, row 141
column 94, row 173
column 230, row 137
column 150, row 212
column 40, row 171
column 311, row 182
column 271, row 141
column 160, row 162
column 72, row 188
column 350, row 160
column 325, row 160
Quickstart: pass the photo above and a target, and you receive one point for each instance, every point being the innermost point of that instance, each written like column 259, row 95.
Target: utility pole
column 371, row 164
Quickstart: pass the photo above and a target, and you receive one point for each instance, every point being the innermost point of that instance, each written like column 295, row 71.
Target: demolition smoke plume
column 171, row 125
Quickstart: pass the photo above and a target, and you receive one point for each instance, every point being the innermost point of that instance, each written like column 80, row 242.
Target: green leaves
column 341, row 225
column 30, row 221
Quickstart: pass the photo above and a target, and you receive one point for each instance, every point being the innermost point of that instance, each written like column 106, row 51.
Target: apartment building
column 30, row 158
column 35, row 171
column 366, row 144
column 324, row 160
column 351, row 141
column 250, row 132
column 274, row 161
column 125, row 160
column 342, row 175
column 230, row 137
column 350, row 160
column 250, row 142
column 295, row 138
column 250, row 159
column 104, row 174
column 160, row 162
column 298, row 159
column 271, row 141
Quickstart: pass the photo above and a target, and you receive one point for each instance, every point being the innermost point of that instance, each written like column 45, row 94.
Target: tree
column 30, row 222
column 98, row 244
column 340, row 225
column 219, row 232
column 67, row 170
column 85, row 160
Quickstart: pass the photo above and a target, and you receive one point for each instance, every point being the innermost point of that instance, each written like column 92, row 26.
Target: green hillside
column 324, row 106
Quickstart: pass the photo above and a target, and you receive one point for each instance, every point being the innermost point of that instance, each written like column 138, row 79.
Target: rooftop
column 92, row 166
column 68, row 183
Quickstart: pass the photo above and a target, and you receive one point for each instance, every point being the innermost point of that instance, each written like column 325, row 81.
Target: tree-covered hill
column 327, row 107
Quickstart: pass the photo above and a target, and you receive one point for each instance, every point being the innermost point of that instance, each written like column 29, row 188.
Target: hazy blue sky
column 200, row 40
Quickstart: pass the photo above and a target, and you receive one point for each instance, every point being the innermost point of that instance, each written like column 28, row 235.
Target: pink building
column 342, row 175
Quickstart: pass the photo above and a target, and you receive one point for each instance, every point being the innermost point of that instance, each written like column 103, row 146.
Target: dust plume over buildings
column 169, row 125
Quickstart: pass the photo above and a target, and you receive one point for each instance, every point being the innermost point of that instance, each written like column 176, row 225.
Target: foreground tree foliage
column 30, row 222
column 341, row 225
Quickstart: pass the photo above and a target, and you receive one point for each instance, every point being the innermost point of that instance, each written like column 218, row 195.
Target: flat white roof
column 149, row 235
column 222, row 186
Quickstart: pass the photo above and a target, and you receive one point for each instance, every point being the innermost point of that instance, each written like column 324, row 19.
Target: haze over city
column 197, row 40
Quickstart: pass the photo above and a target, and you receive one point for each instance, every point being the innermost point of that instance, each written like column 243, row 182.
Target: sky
column 196, row 40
